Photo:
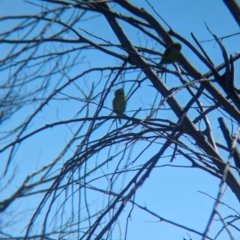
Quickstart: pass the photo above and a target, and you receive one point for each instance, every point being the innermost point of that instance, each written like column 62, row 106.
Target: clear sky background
column 174, row 191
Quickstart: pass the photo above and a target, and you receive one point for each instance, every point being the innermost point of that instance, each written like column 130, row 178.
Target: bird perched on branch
column 171, row 54
column 119, row 102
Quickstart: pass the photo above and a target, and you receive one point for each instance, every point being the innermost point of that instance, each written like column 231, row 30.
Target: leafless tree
column 57, row 87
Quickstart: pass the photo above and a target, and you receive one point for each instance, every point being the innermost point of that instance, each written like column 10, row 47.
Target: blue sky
column 171, row 191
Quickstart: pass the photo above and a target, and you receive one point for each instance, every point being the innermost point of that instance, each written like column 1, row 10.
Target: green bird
column 119, row 102
column 171, row 54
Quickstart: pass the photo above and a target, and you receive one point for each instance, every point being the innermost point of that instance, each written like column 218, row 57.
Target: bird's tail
column 119, row 118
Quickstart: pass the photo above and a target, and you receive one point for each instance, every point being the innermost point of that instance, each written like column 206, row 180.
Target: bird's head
column 177, row 46
column 119, row 92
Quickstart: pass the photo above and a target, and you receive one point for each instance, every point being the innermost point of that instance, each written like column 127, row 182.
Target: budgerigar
column 171, row 54
column 119, row 102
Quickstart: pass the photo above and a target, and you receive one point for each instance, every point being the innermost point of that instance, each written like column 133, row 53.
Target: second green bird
column 119, row 102
column 171, row 54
